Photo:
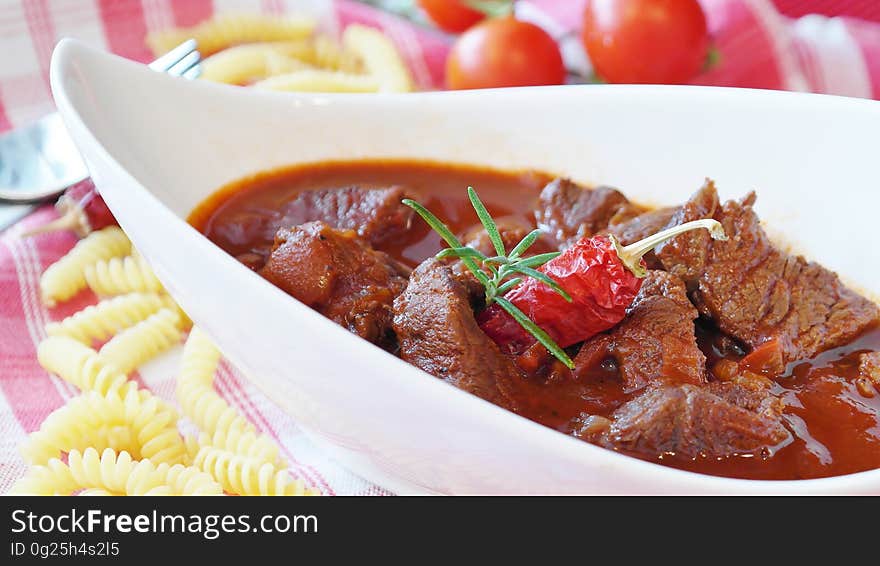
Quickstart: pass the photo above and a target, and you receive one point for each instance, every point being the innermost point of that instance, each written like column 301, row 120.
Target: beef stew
column 735, row 358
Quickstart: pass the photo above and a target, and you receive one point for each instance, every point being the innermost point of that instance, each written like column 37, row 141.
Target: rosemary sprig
column 498, row 273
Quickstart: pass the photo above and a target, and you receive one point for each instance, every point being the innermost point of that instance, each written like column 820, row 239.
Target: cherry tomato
column 646, row 41
column 504, row 52
column 451, row 15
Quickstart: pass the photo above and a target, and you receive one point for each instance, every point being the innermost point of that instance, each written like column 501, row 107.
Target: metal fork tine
column 185, row 64
column 170, row 59
column 193, row 73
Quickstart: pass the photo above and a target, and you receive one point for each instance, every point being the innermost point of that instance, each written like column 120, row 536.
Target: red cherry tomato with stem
column 646, row 41
column 504, row 52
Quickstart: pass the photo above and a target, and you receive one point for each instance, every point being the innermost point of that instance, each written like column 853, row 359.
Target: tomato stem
column 492, row 8
column 631, row 255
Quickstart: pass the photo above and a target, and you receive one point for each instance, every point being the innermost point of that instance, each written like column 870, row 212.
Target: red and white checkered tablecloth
column 760, row 47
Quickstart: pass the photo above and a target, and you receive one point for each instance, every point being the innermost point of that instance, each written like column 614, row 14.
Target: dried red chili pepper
column 82, row 210
column 601, row 276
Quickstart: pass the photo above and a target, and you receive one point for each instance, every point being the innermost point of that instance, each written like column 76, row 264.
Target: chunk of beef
column 690, row 421
column 756, row 292
column 339, row 275
column 868, row 380
column 655, row 341
column 568, row 212
column 693, row 245
column 376, row 213
column 869, row 366
column 436, row 330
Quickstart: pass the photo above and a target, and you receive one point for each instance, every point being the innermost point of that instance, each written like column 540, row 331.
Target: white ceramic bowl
column 157, row 146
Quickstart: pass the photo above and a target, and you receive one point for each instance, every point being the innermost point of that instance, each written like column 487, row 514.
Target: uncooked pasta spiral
column 193, row 445
column 66, row 277
column 80, row 365
column 81, row 423
column 328, row 54
column 96, row 491
column 134, row 346
column 54, row 478
column 121, row 275
column 224, row 427
column 233, row 29
column 247, row 476
column 100, row 322
column 195, row 391
column 138, row 423
column 187, row 480
column 208, row 410
column 116, row 473
column 247, row 443
column 155, row 427
column 199, row 360
column 379, row 57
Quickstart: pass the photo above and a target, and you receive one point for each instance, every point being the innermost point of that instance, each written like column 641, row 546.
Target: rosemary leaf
column 461, row 253
column 538, row 260
column 524, row 244
column 543, row 278
column 508, row 285
column 443, row 230
column 535, row 331
column 488, row 222
column 435, row 223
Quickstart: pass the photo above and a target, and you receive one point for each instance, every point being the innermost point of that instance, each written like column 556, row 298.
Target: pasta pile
column 118, row 438
column 290, row 54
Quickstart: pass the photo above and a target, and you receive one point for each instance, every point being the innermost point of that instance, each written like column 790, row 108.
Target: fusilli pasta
column 138, row 423
column 200, row 359
column 253, row 61
column 116, row 473
column 328, row 54
column 224, row 427
column 187, row 480
column 66, row 277
column 122, row 440
column 134, row 346
column 379, row 57
column 246, row 476
column 78, row 364
column 233, row 29
column 246, row 443
column 101, row 321
column 53, row 478
column 208, row 410
column 95, row 491
column 118, row 276
column 195, row 392
column 318, row 80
